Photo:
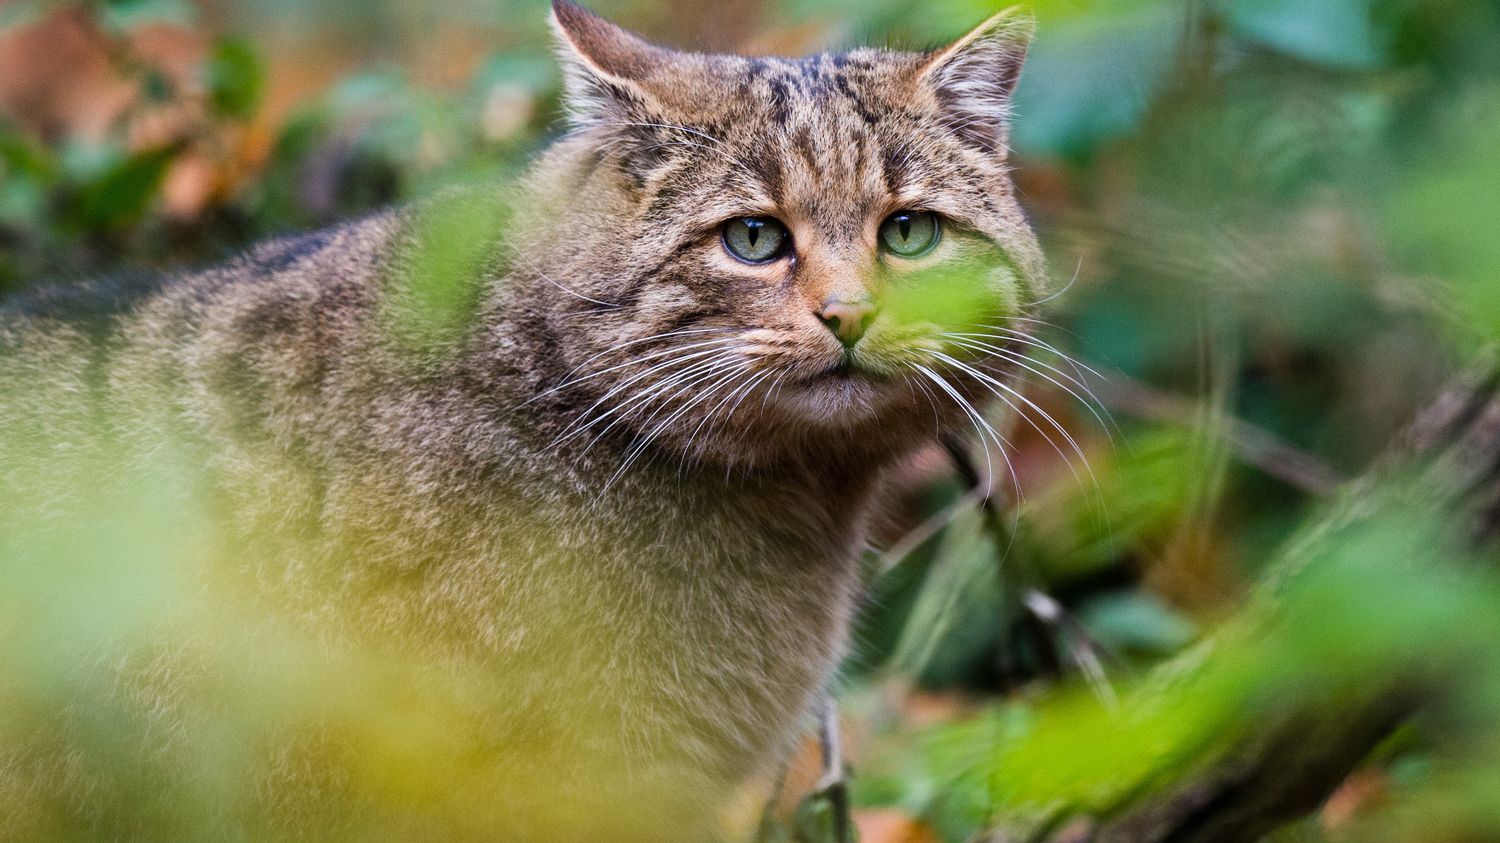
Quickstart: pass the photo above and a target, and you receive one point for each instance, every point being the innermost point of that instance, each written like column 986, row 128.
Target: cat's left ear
column 975, row 76
column 606, row 68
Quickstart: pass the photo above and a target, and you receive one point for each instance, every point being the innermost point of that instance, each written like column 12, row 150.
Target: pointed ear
column 974, row 77
column 604, row 66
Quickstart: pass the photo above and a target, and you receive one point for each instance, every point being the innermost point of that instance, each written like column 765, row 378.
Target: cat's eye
column 910, row 234
column 756, row 239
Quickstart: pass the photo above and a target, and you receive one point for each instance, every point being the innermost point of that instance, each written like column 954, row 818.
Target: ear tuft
column 603, row 65
column 975, row 76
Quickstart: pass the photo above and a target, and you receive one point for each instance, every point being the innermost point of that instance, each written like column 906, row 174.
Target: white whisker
column 658, row 368
column 645, row 441
column 636, row 361
column 979, row 422
column 1066, row 287
column 1094, row 405
column 644, row 398
column 612, row 349
column 996, row 386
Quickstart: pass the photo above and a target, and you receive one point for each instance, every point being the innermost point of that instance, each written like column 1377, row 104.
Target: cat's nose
column 848, row 319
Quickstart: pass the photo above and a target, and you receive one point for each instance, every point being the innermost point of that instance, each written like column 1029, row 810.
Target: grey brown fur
column 654, row 604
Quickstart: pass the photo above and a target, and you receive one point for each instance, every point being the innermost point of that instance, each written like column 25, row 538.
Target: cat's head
column 761, row 257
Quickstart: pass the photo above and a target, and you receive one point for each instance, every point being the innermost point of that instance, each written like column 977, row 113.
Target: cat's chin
column 839, row 399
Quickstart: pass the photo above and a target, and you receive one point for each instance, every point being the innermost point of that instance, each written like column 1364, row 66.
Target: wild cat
column 575, row 563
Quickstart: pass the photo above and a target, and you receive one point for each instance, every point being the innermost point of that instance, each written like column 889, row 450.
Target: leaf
column 81, row 161
column 1341, row 33
column 1441, row 218
column 956, row 614
column 121, row 195
column 435, row 289
column 1134, row 620
column 22, row 198
column 1090, row 77
column 18, row 13
column 236, row 78
column 126, row 15
column 1149, row 485
column 18, row 154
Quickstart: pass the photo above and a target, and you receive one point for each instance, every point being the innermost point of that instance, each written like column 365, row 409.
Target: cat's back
column 84, row 340
column 96, row 372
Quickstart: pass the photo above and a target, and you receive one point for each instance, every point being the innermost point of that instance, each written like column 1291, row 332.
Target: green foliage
column 1337, row 33
column 1136, row 622
column 1443, row 214
column 456, row 245
column 1091, row 76
column 236, row 78
column 1366, row 608
column 126, row 15
column 120, row 195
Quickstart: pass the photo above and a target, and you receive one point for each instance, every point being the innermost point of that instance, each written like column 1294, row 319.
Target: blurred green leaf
column 1090, row 77
column 22, row 199
column 1136, row 621
column 1340, row 33
column 81, row 161
column 19, row 154
column 236, row 78
column 18, row 13
column 125, row 15
column 959, row 609
column 456, row 240
column 1147, row 485
column 1443, row 216
column 121, row 195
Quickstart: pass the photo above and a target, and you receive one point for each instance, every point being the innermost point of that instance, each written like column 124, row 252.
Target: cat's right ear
column 605, row 68
column 975, row 76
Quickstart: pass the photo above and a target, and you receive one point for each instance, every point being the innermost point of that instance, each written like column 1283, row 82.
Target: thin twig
column 1252, row 444
column 923, row 532
column 1058, row 630
column 834, row 784
column 1085, row 652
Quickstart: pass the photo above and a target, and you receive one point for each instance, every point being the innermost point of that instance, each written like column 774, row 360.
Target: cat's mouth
column 847, row 367
column 841, row 369
column 855, row 365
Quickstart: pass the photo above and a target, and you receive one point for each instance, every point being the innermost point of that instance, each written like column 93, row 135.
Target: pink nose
column 848, row 320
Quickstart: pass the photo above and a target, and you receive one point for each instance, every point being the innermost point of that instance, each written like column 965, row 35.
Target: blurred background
column 1274, row 229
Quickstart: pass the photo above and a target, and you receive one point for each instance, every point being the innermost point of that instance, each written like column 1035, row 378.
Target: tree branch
column 1254, row 445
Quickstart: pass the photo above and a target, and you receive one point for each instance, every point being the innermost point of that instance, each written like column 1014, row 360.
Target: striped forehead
column 827, row 137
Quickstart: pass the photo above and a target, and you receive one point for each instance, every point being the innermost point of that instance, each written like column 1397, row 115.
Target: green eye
column 756, row 239
column 910, row 233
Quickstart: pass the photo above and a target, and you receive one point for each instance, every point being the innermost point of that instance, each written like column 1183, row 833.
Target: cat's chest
column 742, row 569
column 704, row 616
column 703, row 549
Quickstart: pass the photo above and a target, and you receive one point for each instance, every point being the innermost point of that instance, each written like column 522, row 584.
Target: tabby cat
column 546, row 530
